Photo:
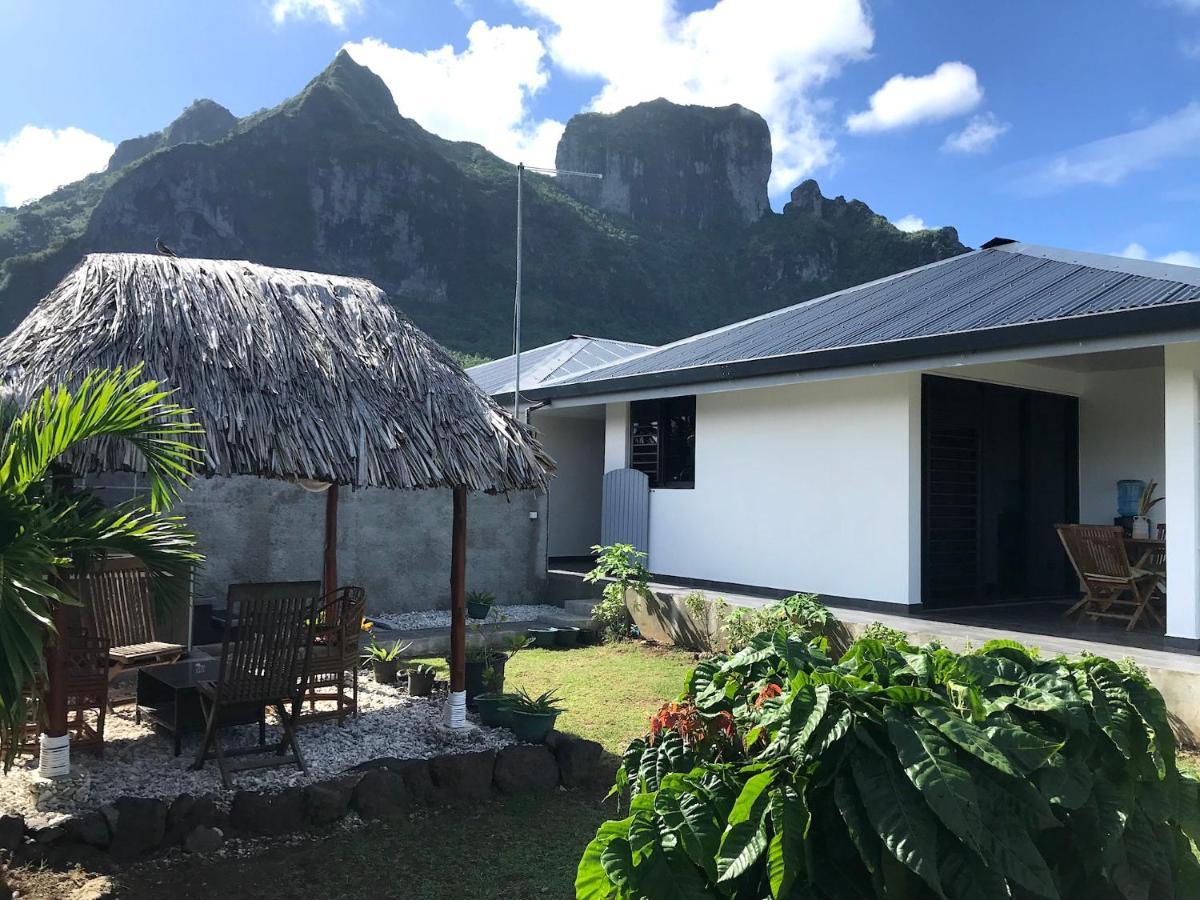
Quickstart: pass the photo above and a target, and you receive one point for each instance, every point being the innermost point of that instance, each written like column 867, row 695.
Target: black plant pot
column 475, row 669
column 420, row 684
column 477, row 610
column 385, row 670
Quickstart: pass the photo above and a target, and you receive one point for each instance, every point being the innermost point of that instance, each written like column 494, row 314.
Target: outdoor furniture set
column 1123, row 578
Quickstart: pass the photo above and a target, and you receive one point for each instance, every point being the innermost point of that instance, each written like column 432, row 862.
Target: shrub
column 800, row 614
column 710, row 618
column 623, row 564
column 901, row 772
column 877, row 631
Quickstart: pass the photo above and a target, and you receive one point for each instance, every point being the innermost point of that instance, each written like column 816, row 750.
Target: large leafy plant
column 623, row 564
column 48, row 529
column 902, row 771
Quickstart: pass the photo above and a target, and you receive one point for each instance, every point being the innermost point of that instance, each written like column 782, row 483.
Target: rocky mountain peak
column 668, row 164
column 347, row 87
column 204, row 121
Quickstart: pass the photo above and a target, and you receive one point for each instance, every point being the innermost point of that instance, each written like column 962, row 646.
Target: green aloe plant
column 47, row 528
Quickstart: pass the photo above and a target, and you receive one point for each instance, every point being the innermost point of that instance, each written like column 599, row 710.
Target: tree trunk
column 458, row 593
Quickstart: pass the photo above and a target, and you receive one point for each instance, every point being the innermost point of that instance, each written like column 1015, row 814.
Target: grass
column 516, row 848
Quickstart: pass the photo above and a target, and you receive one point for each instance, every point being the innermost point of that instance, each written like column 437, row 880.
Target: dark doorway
column 1000, row 470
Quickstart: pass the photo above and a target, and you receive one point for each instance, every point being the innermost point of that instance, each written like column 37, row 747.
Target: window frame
column 660, row 410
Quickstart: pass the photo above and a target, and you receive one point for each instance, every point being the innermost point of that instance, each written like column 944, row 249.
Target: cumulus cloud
column 949, row 90
column 978, row 136
column 480, row 94
column 36, row 161
column 1176, row 257
column 910, row 223
column 334, row 12
column 768, row 55
column 1110, row 160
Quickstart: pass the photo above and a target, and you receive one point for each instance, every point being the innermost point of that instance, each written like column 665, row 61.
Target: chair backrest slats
column 268, row 659
column 1096, row 551
column 118, row 602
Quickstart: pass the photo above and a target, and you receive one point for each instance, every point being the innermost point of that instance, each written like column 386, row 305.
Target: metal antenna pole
column 521, row 167
column 517, row 303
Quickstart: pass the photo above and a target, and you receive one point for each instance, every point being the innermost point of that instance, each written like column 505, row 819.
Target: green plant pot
column 477, row 610
column 385, row 670
column 544, row 637
column 420, row 684
column 566, row 637
column 474, row 673
column 532, row 727
column 492, row 712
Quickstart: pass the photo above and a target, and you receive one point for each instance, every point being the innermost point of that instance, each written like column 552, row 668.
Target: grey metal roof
column 563, row 359
column 1005, row 294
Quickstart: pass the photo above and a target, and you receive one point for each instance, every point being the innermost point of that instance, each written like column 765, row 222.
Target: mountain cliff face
column 335, row 179
column 677, row 166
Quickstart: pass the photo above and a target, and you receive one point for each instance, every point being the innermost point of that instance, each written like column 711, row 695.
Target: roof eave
column 1177, row 316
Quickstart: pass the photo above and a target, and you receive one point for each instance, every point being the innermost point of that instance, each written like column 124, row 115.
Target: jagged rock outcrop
column 686, row 166
column 204, row 122
column 337, row 180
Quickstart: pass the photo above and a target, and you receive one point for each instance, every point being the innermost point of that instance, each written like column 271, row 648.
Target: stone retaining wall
column 133, row 827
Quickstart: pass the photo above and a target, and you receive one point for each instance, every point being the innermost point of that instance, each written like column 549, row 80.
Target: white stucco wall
column 803, row 487
column 577, row 446
column 616, row 436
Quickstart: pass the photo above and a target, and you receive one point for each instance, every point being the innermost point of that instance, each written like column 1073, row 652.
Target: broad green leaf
column 692, row 820
column 966, row 735
column 745, row 835
column 929, row 762
column 591, row 880
column 617, row 860
column 1065, row 780
column 1006, row 844
column 1028, row 750
column 790, row 819
column 896, row 811
column 670, row 875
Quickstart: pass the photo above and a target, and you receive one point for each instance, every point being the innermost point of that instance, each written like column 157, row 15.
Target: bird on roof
column 163, row 248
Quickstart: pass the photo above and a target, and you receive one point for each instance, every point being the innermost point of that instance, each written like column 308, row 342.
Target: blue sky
column 1063, row 123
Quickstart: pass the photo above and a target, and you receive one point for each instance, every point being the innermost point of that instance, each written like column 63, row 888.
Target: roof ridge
column 1125, row 265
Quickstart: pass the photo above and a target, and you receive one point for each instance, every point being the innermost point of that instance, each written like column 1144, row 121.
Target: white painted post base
column 454, row 715
column 55, row 758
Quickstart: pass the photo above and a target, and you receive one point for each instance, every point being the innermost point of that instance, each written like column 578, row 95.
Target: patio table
column 168, row 697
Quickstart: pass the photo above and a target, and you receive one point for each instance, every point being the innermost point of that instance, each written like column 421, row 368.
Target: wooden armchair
column 1112, row 588
column 119, row 609
column 266, row 664
column 333, row 668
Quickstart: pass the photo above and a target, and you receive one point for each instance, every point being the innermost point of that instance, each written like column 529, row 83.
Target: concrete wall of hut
column 396, row 544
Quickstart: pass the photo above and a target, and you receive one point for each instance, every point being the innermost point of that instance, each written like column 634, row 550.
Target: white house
column 911, row 441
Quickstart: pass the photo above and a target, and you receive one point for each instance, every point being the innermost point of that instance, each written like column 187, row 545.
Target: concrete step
column 580, row 607
column 563, row 585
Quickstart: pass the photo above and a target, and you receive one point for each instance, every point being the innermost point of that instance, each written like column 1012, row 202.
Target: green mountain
column 677, row 237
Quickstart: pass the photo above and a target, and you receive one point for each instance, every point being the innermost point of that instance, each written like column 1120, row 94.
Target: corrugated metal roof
column 1003, row 286
column 562, row 359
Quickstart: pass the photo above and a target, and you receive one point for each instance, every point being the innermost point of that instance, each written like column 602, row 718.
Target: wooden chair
column 119, row 609
column 86, row 659
column 266, row 664
column 333, row 667
column 1113, row 589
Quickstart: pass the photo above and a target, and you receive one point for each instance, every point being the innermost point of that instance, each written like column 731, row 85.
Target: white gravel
column 138, row 761
column 440, row 618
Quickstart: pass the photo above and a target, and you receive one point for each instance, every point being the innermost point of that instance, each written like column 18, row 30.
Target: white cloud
column 978, row 136
column 36, row 161
column 333, row 12
column 949, row 90
column 910, row 223
column 1190, row 48
column 1110, row 160
column 768, row 55
column 480, row 94
column 1177, row 257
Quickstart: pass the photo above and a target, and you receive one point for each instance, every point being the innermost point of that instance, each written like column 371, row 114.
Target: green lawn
column 526, row 847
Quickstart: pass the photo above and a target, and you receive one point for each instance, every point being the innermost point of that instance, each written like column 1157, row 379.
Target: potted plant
column 385, row 660
column 479, row 604
column 1141, row 522
column 493, row 709
column 420, row 680
column 485, row 662
column 532, row 718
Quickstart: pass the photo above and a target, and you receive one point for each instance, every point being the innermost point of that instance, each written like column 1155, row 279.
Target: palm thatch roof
column 292, row 374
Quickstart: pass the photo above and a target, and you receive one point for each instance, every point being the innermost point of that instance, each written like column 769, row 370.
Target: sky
column 1064, row 123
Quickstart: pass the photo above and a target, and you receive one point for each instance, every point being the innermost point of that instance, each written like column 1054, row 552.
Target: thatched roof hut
column 292, row 374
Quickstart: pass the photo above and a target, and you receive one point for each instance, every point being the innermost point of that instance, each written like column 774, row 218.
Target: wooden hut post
column 329, row 578
column 458, row 600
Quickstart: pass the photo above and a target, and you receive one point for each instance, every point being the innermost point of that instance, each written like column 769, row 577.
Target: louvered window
column 663, row 441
